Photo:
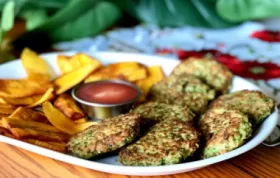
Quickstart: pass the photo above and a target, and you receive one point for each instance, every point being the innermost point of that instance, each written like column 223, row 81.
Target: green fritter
column 253, row 103
column 109, row 135
column 224, row 130
column 181, row 84
column 155, row 112
column 210, row 71
column 168, row 142
column 196, row 102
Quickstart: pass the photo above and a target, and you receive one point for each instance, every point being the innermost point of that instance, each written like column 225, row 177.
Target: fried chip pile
column 39, row 110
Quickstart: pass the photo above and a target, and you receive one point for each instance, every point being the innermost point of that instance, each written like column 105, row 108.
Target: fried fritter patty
column 224, row 130
column 109, row 135
column 253, row 103
column 210, row 71
column 156, row 112
column 184, row 90
column 168, row 142
column 181, row 84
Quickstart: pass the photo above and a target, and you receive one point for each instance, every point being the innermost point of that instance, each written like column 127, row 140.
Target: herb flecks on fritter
column 108, row 136
column 224, row 129
column 253, row 103
column 181, row 84
column 184, row 90
column 168, row 142
column 210, row 71
column 155, row 112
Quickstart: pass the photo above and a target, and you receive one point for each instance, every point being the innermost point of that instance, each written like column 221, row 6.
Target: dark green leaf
column 73, row 10
column 34, row 17
column 89, row 23
column 7, row 19
column 174, row 12
column 207, row 10
column 241, row 10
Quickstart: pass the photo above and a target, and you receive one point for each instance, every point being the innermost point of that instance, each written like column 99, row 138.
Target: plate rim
column 141, row 170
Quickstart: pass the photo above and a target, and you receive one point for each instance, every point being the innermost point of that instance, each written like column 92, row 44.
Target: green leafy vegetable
column 7, row 20
column 241, row 10
column 199, row 13
column 89, row 23
column 34, row 18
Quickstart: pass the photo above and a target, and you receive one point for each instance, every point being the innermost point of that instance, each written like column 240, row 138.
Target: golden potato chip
column 69, row 63
column 31, row 101
column 7, row 108
column 67, row 105
column 58, row 119
column 2, row 101
column 10, row 88
column 131, row 71
column 155, row 75
column 67, row 81
column 6, row 132
column 25, row 113
column 36, row 67
column 63, row 123
column 24, row 129
column 79, row 121
column 46, row 97
column 3, row 115
column 56, row 146
column 23, row 101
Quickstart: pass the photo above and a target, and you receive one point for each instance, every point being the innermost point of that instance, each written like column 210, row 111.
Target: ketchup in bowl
column 107, row 93
column 106, row 98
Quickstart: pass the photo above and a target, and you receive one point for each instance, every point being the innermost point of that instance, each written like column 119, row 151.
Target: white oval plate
column 110, row 164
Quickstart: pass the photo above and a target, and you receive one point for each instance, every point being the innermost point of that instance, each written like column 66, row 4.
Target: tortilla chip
column 69, row 63
column 7, row 109
column 21, row 88
column 36, row 67
column 56, row 146
column 67, row 81
column 155, row 75
column 67, row 105
column 23, row 129
column 29, row 114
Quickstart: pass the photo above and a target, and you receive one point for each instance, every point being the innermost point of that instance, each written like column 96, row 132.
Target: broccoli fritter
column 109, row 135
column 224, row 130
column 184, row 90
column 253, row 103
column 210, row 71
column 168, row 142
column 181, row 84
column 156, row 112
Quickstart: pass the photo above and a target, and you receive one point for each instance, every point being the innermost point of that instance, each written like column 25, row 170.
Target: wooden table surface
column 15, row 162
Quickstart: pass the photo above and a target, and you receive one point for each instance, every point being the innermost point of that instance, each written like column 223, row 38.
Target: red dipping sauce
column 107, row 92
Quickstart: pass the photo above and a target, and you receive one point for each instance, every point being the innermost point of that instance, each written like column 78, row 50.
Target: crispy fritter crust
column 181, row 84
column 224, row 130
column 156, row 112
column 168, row 142
column 184, row 90
column 210, row 71
column 253, row 103
column 108, row 136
